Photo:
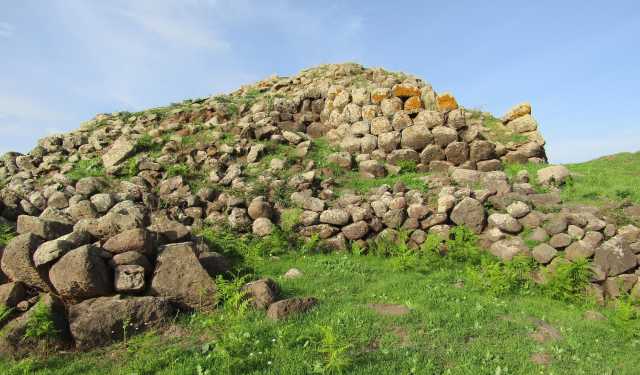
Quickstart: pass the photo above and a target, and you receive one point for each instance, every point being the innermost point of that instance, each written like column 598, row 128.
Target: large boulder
column 99, row 321
column 80, row 274
column 121, row 149
column 54, row 249
column 180, row 277
column 470, row 213
column 283, row 309
column 615, row 257
column 137, row 239
column 261, row 293
column 516, row 111
column 505, row 223
column 47, row 229
column 17, row 262
column 555, row 174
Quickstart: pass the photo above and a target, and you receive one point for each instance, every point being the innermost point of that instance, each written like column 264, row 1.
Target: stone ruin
column 108, row 217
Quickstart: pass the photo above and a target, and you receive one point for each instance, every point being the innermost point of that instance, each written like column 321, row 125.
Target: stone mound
column 108, row 216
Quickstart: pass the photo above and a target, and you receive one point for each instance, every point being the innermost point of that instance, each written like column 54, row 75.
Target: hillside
column 343, row 220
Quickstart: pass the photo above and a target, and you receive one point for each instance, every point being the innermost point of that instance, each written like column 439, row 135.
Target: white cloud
column 6, row 30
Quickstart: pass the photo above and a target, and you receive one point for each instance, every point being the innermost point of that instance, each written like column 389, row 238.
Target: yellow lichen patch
column 379, row 94
column 447, row 102
column 405, row 91
column 519, row 110
column 413, row 104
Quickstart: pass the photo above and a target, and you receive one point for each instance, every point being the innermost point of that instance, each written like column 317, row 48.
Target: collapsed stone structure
column 107, row 217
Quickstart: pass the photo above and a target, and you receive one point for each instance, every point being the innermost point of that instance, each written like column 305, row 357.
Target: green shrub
column 231, row 296
column 40, row 324
column 569, row 280
column 7, row 233
column 500, row 278
column 407, row 166
column 86, row 168
column 334, row 350
column 462, row 246
column 180, row 169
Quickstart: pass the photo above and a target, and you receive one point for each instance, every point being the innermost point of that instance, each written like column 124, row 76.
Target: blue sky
column 577, row 62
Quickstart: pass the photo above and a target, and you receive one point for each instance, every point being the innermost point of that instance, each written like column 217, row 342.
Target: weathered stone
column 482, row 150
column 80, row 274
column 52, row 250
column 416, row 137
column 262, row 227
column 556, row 174
column 88, row 186
column 560, row 240
column 390, row 106
column 443, row 135
column 43, row 228
column 615, row 257
column 470, row 213
column 518, row 209
column 356, row 230
column 341, row 159
column 505, row 223
column 259, row 207
column 523, row 124
column 100, row 321
column 335, row 217
column 557, row 223
column 131, row 258
column 519, row 110
column 447, row 102
column 121, row 149
column 180, row 277
column 17, row 261
column 544, row 253
column 129, row 278
column 380, row 125
column 508, row 248
column 261, row 293
column 285, row 308
column 373, row 168
column 431, row 153
column 137, row 239
column 457, row 152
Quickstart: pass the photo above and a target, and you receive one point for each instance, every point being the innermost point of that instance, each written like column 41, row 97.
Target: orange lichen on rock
column 405, row 91
column 447, row 102
column 413, row 104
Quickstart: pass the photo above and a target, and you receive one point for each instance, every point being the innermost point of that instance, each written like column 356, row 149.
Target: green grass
column 469, row 314
column 608, row 182
column 86, row 168
column 615, row 177
column 7, row 232
column 353, row 181
column 500, row 133
column 450, row 330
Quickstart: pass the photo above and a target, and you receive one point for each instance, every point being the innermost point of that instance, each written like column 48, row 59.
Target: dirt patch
column 543, row 359
column 402, row 335
column 594, row 316
column 545, row 332
column 389, row 309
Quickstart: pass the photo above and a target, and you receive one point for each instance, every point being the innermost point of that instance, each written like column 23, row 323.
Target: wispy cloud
column 6, row 30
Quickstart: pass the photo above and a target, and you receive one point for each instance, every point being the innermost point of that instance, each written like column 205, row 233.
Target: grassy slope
column 610, row 179
column 450, row 330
